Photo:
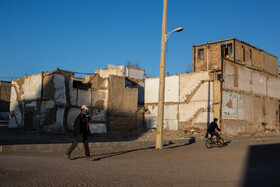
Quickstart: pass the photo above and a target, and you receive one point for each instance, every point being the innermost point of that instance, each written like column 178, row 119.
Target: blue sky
column 85, row 35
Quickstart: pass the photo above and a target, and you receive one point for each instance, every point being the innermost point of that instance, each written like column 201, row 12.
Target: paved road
column 240, row 163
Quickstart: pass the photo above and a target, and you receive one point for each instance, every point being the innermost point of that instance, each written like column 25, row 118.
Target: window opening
column 81, row 85
column 200, row 54
column 226, row 50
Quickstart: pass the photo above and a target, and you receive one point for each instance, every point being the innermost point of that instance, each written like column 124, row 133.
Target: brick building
column 248, row 99
column 231, row 80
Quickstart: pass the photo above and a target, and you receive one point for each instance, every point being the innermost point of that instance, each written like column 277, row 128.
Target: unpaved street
column 240, row 163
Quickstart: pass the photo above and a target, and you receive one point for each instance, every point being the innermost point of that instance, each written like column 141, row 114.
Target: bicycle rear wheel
column 209, row 143
column 220, row 142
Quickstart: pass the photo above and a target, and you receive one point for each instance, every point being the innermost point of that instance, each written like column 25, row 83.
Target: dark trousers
column 75, row 143
column 214, row 134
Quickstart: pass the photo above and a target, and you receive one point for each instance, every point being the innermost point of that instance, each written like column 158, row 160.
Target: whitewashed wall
column 58, row 125
column 171, row 93
column 194, row 86
column 84, row 98
column 135, row 73
column 187, row 111
column 273, row 88
column 244, row 79
column 251, row 81
column 71, row 116
column 32, row 87
column 59, row 86
column 232, row 106
column 170, row 117
column 73, row 92
column 130, row 72
column 189, row 81
column 258, row 84
column 15, row 121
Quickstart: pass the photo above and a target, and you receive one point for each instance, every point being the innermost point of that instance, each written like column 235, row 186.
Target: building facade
column 50, row 101
column 232, row 81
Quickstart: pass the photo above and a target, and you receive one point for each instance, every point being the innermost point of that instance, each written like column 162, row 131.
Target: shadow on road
column 108, row 155
column 18, row 136
column 191, row 141
column 226, row 143
column 113, row 154
column 263, row 165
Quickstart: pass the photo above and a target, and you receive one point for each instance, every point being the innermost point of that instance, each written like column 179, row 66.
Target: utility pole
column 160, row 117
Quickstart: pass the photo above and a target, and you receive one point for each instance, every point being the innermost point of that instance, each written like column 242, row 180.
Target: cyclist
column 212, row 129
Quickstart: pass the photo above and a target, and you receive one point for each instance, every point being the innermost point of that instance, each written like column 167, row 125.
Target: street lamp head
column 179, row 29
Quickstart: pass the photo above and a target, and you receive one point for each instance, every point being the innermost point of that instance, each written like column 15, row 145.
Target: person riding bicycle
column 212, row 129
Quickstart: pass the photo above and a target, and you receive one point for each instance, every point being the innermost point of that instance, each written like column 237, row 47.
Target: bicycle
column 213, row 141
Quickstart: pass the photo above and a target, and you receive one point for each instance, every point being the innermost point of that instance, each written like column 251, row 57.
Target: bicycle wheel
column 220, row 142
column 209, row 143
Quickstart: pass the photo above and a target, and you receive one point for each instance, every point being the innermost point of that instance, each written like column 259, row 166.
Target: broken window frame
column 226, row 50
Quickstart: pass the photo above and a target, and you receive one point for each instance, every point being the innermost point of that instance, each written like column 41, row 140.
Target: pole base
column 159, row 144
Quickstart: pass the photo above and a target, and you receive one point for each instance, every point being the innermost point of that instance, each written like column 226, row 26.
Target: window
column 81, row 85
column 226, row 50
column 200, row 54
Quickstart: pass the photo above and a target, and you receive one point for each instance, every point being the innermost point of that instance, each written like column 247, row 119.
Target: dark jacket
column 81, row 126
column 212, row 127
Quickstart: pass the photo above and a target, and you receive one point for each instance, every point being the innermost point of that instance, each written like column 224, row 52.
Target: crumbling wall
column 91, row 91
column 39, row 102
column 250, row 101
column 5, row 92
column 135, row 73
column 140, row 85
column 25, row 101
column 187, row 105
column 122, row 106
column 105, row 73
column 50, row 102
column 128, row 71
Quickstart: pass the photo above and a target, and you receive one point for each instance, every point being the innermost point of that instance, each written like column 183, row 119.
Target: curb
column 45, row 148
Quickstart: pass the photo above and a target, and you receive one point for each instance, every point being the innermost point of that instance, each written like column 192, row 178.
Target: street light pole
column 164, row 38
column 159, row 144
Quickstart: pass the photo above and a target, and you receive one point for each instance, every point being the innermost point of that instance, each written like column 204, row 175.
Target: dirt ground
column 239, row 163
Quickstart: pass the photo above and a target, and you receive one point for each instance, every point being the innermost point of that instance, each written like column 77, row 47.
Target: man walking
column 81, row 132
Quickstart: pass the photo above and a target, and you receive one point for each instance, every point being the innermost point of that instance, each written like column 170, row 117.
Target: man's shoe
column 67, row 156
column 89, row 158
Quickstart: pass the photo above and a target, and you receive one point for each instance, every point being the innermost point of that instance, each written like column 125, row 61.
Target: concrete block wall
column 188, row 101
column 250, row 101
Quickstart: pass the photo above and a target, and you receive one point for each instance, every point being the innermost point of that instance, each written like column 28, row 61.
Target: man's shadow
column 108, row 155
column 117, row 153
